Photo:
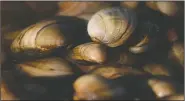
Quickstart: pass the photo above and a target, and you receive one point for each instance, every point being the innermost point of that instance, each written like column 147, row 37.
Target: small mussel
column 89, row 52
column 163, row 86
column 82, row 9
column 157, row 69
column 47, row 67
column 177, row 53
column 115, row 71
column 112, row 26
column 94, row 87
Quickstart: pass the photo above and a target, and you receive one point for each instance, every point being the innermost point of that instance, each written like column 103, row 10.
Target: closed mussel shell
column 115, row 71
column 176, row 53
column 44, row 37
column 46, row 67
column 164, row 86
column 82, row 10
column 158, row 69
column 94, row 87
column 90, row 52
column 112, row 26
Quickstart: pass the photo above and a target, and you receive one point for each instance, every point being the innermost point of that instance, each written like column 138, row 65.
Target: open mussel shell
column 176, row 53
column 164, row 86
column 83, row 10
column 44, row 37
column 115, row 71
column 112, row 26
column 90, row 52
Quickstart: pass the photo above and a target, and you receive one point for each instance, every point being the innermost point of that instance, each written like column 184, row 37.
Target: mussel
column 163, row 86
column 6, row 94
column 45, row 36
column 93, row 87
column 112, row 26
column 177, row 53
column 83, row 10
column 90, row 52
column 115, row 71
column 47, row 67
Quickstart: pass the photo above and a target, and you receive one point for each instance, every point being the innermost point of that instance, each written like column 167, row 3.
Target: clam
column 177, row 53
column 82, row 10
column 112, row 26
column 46, row 67
column 93, row 87
column 90, row 52
column 163, row 87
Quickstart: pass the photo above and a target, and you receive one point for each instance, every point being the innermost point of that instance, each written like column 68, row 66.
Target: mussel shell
column 83, row 10
column 6, row 94
column 115, row 71
column 168, row 8
column 158, row 69
column 46, row 36
column 163, row 86
column 93, row 87
column 90, row 52
column 177, row 53
column 46, row 67
column 112, row 26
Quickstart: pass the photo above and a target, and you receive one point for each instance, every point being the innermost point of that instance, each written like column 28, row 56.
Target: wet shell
column 157, row 69
column 39, row 39
column 177, row 53
column 112, row 72
column 164, row 87
column 90, row 52
column 47, row 67
column 93, row 87
column 80, row 9
column 169, row 8
column 112, row 26
column 6, row 94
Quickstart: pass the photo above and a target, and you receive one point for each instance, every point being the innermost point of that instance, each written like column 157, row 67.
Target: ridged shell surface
column 112, row 26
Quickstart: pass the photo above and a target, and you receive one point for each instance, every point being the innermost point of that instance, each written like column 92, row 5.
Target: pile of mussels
column 92, row 50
